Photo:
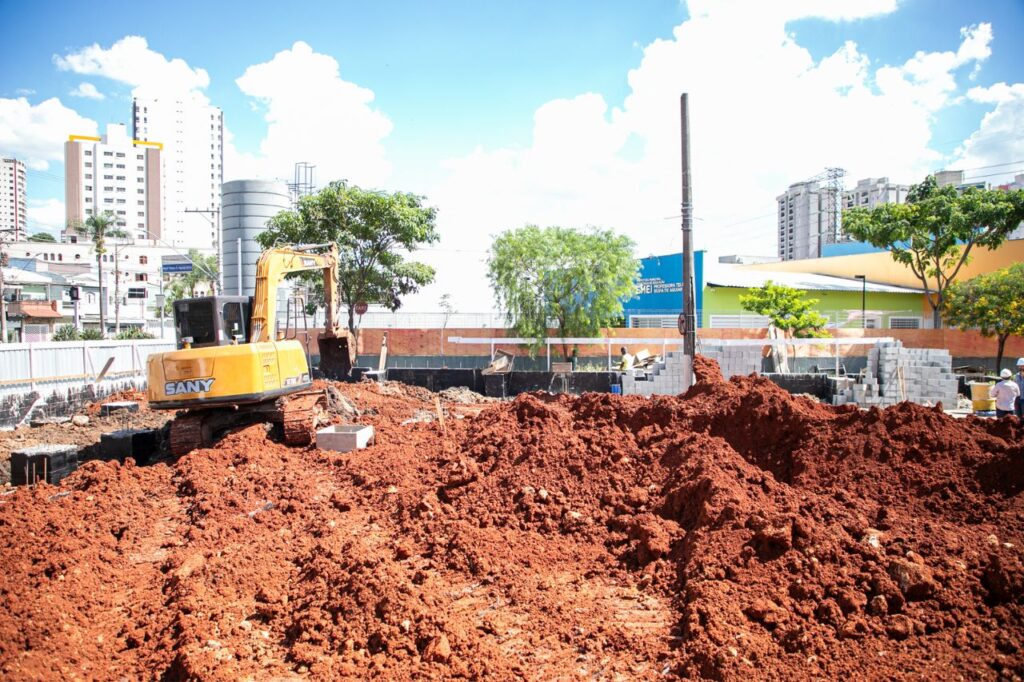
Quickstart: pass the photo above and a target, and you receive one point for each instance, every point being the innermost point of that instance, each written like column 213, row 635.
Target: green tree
column 98, row 228
column 42, row 237
column 561, row 278
column 786, row 309
column 204, row 271
column 789, row 313
column 935, row 231
column 992, row 303
column 372, row 230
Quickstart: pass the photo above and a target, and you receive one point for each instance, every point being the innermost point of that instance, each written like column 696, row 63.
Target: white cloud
column 47, row 215
column 36, row 133
column 313, row 115
column 763, row 114
column 995, row 150
column 131, row 61
column 88, row 91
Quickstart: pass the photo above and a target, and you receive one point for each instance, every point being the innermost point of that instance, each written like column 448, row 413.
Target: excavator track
column 186, row 434
column 300, row 416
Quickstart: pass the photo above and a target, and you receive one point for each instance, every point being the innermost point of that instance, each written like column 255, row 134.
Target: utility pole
column 117, row 290
column 3, row 300
column 689, row 303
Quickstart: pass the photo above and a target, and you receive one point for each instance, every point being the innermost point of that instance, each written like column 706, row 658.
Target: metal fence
column 61, row 366
column 654, row 319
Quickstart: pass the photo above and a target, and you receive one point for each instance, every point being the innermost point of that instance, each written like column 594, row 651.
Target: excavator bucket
column 335, row 357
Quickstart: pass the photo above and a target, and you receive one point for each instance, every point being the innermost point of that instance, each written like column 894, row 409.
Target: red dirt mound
column 734, row 532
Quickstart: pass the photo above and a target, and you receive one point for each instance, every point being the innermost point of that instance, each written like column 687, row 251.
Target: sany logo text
column 190, row 386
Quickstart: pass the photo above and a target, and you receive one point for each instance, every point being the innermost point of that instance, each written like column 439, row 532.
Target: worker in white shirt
column 625, row 359
column 1005, row 393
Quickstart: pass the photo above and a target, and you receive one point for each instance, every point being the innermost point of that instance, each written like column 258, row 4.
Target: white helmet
column 1020, row 362
column 1005, row 374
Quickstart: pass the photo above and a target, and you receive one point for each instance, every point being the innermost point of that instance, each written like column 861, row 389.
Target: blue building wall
column 660, row 286
column 848, row 249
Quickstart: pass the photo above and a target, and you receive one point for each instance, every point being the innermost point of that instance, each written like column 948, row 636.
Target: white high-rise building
column 871, row 192
column 113, row 173
column 802, row 220
column 192, row 133
column 12, row 199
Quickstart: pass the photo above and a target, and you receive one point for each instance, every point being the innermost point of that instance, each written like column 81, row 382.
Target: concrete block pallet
column 665, row 378
column 895, row 374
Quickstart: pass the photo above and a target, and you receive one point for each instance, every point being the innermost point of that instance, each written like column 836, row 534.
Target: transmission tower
column 830, row 231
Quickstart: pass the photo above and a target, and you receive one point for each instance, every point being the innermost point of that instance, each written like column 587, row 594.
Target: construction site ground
column 736, row 532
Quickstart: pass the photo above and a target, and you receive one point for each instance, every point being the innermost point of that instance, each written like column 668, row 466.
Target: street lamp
column 863, row 299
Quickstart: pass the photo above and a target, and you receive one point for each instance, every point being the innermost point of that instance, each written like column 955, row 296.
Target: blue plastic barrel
column 616, row 389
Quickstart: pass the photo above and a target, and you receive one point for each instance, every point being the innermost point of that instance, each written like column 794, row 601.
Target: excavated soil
column 732, row 533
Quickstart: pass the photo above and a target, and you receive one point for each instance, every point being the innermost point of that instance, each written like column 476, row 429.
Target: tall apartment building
column 806, row 215
column 117, row 174
column 12, row 200
column 803, row 220
column 871, row 192
column 193, row 137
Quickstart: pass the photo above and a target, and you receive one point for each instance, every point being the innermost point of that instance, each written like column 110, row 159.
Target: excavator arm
column 271, row 269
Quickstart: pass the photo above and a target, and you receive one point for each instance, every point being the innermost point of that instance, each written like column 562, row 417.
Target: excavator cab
column 212, row 321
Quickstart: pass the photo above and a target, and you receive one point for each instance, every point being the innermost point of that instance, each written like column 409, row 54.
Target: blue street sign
column 177, row 267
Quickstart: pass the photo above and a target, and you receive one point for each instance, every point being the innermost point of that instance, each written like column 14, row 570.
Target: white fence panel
column 53, row 366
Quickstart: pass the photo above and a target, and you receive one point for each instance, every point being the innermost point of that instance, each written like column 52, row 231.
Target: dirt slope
column 733, row 533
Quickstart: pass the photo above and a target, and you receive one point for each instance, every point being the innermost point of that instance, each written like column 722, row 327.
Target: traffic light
column 73, row 293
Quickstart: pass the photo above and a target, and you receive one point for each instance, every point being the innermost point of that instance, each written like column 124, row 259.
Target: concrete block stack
column 664, row 378
column 734, row 360
column 895, row 374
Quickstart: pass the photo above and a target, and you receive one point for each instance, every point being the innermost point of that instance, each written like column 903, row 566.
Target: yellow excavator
column 232, row 367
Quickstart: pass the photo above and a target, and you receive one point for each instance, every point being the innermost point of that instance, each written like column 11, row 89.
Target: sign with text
column 175, row 264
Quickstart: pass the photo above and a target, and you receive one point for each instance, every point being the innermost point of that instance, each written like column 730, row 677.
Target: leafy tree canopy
column 42, row 237
column 561, row 278
column 934, row 232
column 992, row 303
column 786, row 309
column 372, row 230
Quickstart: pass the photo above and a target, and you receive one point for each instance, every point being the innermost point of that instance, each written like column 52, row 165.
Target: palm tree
column 98, row 229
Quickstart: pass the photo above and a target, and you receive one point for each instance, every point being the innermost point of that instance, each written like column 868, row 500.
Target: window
column 120, row 165
column 108, row 153
column 139, row 157
column 120, row 155
column 120, row 177
column 142, row 214
column 143, row 260
column 88, row 152
column 74, row 240
column 904, row 322
column 108, row 177
column 141, row 277
column 109, row 188
column 108, row 165
column 88, row 176
column 140, row 191
column 88, row 164
column 120, row 201
column 88, row 188
column 140, row 169
column 142, row 203
column 136, row 292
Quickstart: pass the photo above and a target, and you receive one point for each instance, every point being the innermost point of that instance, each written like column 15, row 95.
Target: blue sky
column 549, row 112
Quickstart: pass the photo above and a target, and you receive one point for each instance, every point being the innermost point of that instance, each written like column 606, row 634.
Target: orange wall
column 880, row 267
column 405, row 342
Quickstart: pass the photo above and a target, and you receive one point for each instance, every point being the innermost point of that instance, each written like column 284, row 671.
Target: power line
column 992, row 175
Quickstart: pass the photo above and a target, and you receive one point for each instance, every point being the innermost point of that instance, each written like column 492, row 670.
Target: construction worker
column 1006, row 394
column 1020, row 386
column 625, row 360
